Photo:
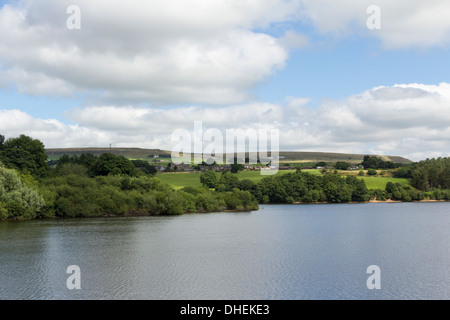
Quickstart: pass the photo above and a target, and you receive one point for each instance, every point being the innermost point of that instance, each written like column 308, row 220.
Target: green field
column 180, row 179
column 380, row 182
column 192, row 179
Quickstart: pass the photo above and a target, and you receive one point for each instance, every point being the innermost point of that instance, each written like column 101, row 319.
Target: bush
column 18, row 201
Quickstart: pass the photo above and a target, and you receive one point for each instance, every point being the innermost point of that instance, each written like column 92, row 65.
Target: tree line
column 304, row 187
column 92, row 186
column 294, row 187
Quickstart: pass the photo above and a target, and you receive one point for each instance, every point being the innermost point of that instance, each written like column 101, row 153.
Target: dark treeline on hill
column 93, row 186
column 368, row 163
column 372, row 162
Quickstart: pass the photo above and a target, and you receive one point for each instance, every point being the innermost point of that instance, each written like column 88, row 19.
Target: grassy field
column 380, row 182
column 180, row 179
column 192, row 179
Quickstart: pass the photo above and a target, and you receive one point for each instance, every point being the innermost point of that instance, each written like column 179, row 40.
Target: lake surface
column 282, row 252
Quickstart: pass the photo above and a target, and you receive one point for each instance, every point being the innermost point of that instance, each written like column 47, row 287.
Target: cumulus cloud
column 162, row 52
column 411, row 120
column 171, row 52
column 404, row 23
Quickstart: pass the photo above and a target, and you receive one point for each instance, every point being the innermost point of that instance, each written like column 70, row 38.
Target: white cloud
column 162, row 52
column 404, row 23
column 165, row 52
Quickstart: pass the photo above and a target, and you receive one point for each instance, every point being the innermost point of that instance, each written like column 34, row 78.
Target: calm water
column 279, row 252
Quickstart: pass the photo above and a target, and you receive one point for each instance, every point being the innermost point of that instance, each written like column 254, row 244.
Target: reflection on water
column 279, row 252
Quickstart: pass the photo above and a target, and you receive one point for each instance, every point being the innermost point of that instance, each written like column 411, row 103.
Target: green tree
column 230, row 181
column 236, row 167
column 145, row 167
column 109, row 163
column 17, row 200
column 247, row 184
column 359, row 188
column 25, row 154
column 342, row 165
column 373, row 162
column 71, row 168
column 85, row 159
column 208, row 179
column 320, row 164
column 403, row 172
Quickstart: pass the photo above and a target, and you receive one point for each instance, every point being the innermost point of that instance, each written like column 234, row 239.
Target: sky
column 331, row 76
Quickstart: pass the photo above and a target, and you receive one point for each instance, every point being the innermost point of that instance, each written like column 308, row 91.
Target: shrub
column 17, row 200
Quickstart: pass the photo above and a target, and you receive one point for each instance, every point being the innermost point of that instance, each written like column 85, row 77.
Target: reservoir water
column 282, row 252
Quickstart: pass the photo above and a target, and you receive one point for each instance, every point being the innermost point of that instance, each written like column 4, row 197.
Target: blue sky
column 286, row 62
column 352, row 66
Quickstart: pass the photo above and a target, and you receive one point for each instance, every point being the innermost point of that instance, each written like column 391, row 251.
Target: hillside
column 131, row 153
column 285, row 156
column 333, row 157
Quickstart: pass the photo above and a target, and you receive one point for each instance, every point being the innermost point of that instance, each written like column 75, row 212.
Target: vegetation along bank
column 90, row 185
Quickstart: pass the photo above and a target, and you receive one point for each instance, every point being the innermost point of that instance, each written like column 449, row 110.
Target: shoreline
column 369, row 201
column 140, row 214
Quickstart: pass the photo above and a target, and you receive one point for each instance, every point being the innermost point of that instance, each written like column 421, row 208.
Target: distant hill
column 131, row 153
column 333, row 157
column 285, row 156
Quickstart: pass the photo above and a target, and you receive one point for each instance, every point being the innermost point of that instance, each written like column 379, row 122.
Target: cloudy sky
column 137, row 70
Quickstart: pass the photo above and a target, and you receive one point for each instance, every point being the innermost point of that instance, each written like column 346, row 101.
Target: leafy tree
column 314, row 196
column 84, row 159
column 108, row 163
column 71, row 168
column 345, row 193
column 372, row 162
column 331, row 191
column 17, row 200
column 208, row 179
column 229, row 181
column 430, row 174
column 360, row 192
column 236, row 167
column 247, row 184
column 342, row 165
column 145, row 167
column 320, row 164
column 25, row 154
